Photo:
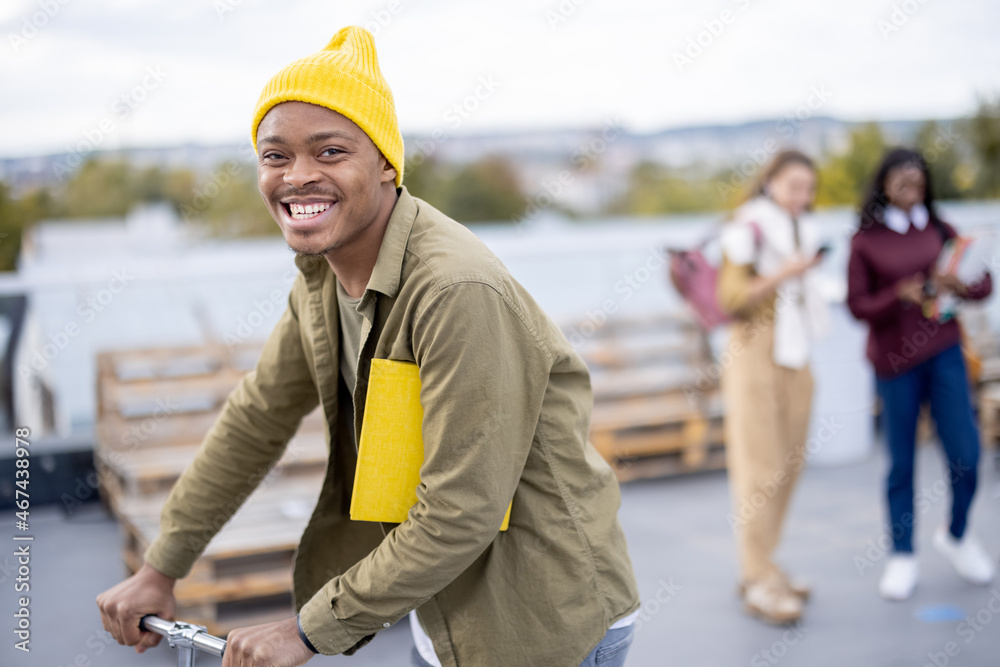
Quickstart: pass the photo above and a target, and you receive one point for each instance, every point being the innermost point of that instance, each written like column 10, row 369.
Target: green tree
column 11, row 227
column 228, row 201
column 937, row 145
column 654, row 190
column 98, row 188
column 110, row 188
column 428, row 179
column 844, row 176
column 485, row 191
column 983, row 133
column 16, row 216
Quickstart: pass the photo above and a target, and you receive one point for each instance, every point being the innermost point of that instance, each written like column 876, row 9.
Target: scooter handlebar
column 184, row 635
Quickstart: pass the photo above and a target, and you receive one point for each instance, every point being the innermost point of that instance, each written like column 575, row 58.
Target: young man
column 506, row 404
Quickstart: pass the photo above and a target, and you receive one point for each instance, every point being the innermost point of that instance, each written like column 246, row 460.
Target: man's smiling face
column 320, row 175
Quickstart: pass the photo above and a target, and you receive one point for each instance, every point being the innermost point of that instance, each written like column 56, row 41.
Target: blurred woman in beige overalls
column 765, row 282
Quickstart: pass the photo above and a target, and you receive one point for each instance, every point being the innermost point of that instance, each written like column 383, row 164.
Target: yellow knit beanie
column 346, row 78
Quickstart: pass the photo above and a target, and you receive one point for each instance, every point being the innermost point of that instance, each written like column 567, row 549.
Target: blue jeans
column 942, row 381
column 610, row 652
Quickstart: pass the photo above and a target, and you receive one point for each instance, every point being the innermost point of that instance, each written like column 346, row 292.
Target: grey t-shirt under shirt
column 350, row 338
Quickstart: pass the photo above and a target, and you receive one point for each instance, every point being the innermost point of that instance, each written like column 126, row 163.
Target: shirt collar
column 389, row 263
column 898, row 221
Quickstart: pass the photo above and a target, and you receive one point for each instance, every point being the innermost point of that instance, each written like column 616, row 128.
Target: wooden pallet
column 146, row 383
column 154, row 409
column 646, row 420
column 989, row 372
column 117, row 433
column 986, row 394
column 666, row 465
column 989, row 415
column 646, row 347
column 156, row 406
column 648, row 380
column 161, row 397
column 244, row 576
column 132, row 475
column 665, row 424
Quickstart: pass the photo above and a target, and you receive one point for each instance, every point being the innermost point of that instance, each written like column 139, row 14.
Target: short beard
column 318, row 253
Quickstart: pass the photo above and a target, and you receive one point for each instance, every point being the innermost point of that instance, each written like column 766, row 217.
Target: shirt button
column 385, row 625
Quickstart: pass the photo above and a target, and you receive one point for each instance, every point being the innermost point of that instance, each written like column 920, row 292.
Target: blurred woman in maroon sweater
column 891, row 273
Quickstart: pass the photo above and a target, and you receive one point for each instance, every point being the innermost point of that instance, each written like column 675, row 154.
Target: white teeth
column 303, row 211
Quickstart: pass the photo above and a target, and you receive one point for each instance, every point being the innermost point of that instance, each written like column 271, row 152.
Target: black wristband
column 302, row 636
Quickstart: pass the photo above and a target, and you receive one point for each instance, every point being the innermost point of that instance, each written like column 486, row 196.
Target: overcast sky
column 191, row 70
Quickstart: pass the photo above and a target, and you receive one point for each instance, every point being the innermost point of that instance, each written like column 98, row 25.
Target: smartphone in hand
column 824, row 250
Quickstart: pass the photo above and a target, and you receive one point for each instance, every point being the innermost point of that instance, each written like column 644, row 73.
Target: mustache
column 301, row 192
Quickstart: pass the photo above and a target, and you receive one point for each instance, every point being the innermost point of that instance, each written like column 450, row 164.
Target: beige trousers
column 766, row 425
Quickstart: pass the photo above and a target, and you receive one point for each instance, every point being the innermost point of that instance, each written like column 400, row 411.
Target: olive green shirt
column 507, row 405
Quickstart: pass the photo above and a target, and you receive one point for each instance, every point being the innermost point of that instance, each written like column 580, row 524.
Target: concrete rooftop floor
column 679, row 539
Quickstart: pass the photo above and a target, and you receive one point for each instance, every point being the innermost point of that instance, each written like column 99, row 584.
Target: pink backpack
column 695, row 279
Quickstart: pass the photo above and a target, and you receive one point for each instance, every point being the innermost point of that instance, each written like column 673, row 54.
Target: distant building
column 142, row 281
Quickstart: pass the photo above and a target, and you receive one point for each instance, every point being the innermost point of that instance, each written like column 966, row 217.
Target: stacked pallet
column 657, row 404
column 980, row 340
column 989, row 416
column 154, row 409
column 984, row 371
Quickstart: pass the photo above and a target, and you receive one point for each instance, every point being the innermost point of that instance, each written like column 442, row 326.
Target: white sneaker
column 899, row 578
column 967, row 555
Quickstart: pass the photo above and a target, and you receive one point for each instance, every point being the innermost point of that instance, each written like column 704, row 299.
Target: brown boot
column 796, row 586
column 772, row 601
